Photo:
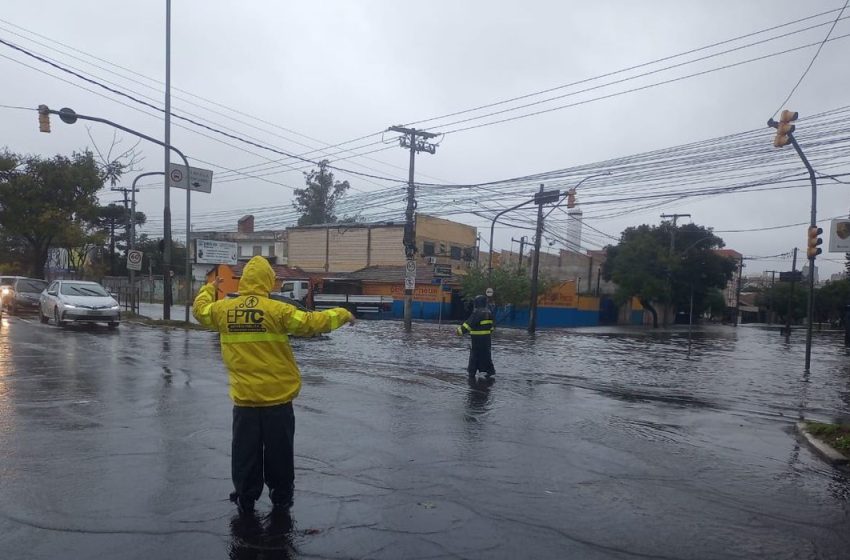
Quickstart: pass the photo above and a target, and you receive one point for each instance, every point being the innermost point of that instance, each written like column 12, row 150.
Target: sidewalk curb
column 828, row 452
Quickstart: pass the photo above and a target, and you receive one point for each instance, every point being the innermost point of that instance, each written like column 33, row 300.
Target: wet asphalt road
column 594, row 443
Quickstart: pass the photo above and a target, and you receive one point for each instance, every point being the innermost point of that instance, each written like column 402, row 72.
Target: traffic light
column 784, row 128
column 43, row 118
column 812, row 249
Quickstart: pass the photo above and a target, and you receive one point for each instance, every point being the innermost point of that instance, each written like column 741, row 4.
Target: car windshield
column 79, row 289
column 31, row 286
column 7, row 281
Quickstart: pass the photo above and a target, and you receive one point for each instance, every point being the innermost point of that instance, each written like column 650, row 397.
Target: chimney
column 245, row 224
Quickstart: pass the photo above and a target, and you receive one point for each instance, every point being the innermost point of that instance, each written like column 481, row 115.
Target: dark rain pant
column 263, row 452
column 479, row 356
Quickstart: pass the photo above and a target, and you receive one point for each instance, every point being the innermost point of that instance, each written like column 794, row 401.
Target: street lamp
column 69, row 116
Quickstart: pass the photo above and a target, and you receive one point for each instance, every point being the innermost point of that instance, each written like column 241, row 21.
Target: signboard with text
column 215, row 252
column 200, row 180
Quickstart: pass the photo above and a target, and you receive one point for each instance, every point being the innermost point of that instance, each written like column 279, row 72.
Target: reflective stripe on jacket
column 254, row 333
column 480, row 323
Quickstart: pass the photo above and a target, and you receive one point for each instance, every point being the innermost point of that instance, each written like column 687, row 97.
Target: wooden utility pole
column 416, row 141
column 521, row 242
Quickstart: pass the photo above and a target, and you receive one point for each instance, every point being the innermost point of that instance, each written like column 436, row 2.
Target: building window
column 442, row 248
column 239, row 251
column 271, row 251
column 456, row 253
column 258, row 250
column 428, row 249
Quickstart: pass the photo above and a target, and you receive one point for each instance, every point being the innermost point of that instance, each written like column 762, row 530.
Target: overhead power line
column 815, row 57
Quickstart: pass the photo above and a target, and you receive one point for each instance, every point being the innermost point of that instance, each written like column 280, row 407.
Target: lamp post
column 134, row 302
column 70, row 117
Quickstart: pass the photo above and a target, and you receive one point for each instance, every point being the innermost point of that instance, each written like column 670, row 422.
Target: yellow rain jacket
column 254, row 336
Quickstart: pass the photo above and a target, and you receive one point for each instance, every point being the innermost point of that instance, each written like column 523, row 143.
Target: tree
column 152, row 249
column 317, row 201
column 780, row 295
column 642, row 266
column 109, row 218
column 41, row 198
column 510, row 285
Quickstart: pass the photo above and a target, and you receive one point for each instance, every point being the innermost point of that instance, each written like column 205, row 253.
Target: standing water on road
column 591, row 443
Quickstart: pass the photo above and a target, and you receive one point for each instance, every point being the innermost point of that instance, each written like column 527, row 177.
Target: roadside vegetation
column 836, row 435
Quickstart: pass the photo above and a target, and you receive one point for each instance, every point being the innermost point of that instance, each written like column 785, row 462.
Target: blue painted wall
column 550, row 317
column 547, row 317
column 427, row 310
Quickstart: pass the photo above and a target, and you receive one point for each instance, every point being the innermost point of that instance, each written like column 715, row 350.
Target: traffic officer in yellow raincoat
column 480, row 328
column 264, row 379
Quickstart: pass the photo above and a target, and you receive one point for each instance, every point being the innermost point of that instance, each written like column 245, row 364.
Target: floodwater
column 591, row 443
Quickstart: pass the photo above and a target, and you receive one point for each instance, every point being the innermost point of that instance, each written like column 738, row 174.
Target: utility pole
column 738, row 290
column 540, row 198
column 166, row 221
column 675, row 218
column 521, row 242
column 416, row 141
column 791, row 297
column 772, row 284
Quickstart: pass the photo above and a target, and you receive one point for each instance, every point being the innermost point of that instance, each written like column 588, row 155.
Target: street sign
column 443, row 270
column 199, row 179
column 134, row 260
column 489, row 292
column 795, row 276
column 410, row 275
column 546, row 197
column 839, row 236
column 215, row 252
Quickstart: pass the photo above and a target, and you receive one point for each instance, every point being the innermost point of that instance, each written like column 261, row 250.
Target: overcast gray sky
column 338, row 70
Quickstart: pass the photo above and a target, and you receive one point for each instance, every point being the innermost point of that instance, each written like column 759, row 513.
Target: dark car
column 22, row 294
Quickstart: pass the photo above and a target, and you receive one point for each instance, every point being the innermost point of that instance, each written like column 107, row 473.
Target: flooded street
column 591, row 443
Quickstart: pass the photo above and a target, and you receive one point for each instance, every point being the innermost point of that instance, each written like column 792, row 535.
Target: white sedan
column 75, row 300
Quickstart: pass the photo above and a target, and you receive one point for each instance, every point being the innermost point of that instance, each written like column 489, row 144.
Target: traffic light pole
column 70, row 117
column 813, row 224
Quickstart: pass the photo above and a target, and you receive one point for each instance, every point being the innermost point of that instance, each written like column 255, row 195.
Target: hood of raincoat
column 480, row 302
column 257, row 278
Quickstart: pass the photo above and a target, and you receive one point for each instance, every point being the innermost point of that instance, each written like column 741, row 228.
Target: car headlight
column 114, row 308
column 69, row 306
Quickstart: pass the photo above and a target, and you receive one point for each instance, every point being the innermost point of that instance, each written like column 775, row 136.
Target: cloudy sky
column 301, row 76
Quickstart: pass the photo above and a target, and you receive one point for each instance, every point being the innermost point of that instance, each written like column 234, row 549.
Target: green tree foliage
column 317, row 201
column 152, row 261
column 779, row 298
column 830, row 301
column 113, row 223
column 642, row 266
column 510, row 285
column 41, row 199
